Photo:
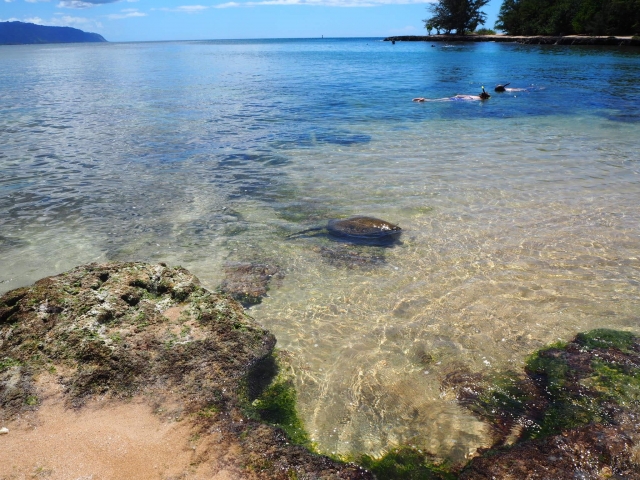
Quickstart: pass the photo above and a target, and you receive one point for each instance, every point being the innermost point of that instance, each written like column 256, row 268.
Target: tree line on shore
column 539, row 17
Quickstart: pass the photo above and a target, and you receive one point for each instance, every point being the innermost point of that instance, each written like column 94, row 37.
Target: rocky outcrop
column 120, row 330
column 574, row 414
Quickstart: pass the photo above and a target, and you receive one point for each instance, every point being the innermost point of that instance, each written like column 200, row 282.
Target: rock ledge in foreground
column 117, row 330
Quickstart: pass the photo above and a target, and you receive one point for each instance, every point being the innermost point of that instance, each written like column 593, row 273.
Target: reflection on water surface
column 520, row 216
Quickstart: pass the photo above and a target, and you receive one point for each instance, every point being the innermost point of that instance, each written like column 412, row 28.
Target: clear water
column 521, row 214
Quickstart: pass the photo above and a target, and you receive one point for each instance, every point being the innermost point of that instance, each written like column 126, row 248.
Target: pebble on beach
column 4, row 431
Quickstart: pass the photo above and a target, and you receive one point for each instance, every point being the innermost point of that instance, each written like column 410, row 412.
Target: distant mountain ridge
column 20, row 33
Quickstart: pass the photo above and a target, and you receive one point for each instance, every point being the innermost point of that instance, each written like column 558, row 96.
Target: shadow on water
column 349, row 256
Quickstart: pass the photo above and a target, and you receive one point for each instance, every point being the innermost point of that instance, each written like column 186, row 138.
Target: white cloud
column 126, row 13
column 61, row 20
column 70, row 21
column 186, row 9
column 31, row 1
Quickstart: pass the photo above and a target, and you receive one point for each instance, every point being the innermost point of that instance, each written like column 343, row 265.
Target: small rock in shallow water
column 248, row 282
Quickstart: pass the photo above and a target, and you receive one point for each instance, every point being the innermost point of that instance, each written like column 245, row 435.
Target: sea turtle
column 359, row 229
column 502, row 88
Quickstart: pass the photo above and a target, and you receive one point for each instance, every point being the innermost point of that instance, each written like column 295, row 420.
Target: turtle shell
column 362, row 227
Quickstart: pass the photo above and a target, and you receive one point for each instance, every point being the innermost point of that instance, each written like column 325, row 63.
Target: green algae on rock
column 575, row 412
column 275, row 403
column 407, row 463
column 121, row 329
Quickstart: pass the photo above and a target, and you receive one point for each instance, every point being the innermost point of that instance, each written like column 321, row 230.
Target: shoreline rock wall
column 532, row 40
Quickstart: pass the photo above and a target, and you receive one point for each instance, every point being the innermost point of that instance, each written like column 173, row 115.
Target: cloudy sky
column 142, row 20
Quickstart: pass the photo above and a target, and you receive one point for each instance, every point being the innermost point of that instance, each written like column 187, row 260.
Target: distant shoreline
column 530, row 40
column 21, row 33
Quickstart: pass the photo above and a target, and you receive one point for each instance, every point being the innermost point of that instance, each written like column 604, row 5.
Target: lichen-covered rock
column 594, row 452
column 122, row 329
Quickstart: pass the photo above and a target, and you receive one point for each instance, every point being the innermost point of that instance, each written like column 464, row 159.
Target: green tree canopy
column 463, row 16
column 589, row 17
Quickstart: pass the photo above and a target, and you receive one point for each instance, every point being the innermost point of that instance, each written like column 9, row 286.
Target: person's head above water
column 484, row 95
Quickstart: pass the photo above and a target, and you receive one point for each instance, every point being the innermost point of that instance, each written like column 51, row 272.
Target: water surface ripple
column 521, row 213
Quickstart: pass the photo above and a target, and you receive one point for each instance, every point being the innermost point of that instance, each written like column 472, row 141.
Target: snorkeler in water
column 482, row 96
column 503, row 88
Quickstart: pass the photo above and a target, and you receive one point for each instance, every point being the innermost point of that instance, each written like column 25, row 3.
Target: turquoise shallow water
column 520, row 213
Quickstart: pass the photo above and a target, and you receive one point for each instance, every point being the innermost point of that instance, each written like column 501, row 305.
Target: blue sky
column 143, row 20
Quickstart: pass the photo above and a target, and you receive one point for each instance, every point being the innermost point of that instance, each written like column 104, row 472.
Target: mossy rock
column 116, row 330
column 407, row 463
column 88, row 321
column 271, row 397
column 606, row 338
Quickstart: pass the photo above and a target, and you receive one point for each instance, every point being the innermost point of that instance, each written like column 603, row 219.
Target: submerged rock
column 249, row 282
column 121, row 329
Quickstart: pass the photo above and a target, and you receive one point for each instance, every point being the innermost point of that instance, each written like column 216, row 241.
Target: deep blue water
column 520, row 213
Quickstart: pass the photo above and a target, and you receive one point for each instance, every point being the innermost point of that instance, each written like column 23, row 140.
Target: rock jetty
column 529, row 40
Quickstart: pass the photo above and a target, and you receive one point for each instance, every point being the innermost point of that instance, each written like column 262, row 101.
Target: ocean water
column 521, row 214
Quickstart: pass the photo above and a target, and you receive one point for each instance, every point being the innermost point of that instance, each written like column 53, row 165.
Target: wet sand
column 110, row 440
